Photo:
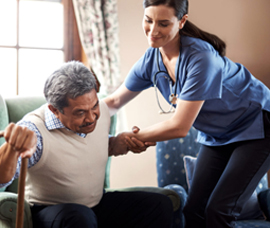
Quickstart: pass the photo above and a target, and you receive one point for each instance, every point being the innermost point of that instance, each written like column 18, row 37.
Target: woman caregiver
column 221, row 99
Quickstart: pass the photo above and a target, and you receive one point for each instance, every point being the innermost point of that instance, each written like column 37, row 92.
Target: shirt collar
column 52, row 123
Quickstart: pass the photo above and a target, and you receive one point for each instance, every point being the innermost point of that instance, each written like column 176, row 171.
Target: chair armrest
column 264, row 201
column 170, row 193
column 8, row 207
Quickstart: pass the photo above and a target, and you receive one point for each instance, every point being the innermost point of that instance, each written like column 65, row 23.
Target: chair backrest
column 19, row 106
column 3, row 117
column 108, row 166
column 169, row 154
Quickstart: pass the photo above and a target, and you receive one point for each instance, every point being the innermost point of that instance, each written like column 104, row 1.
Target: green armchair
column 12, row 110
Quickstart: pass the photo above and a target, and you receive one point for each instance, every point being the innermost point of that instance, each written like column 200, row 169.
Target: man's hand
column 117, row 145
column 21, row 139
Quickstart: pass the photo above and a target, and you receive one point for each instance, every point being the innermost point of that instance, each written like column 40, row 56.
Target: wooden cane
column 21, row 187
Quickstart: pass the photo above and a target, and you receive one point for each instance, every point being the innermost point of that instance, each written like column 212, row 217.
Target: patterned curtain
column 98, row 28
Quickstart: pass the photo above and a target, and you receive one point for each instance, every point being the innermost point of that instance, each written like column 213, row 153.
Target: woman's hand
column 134, row 144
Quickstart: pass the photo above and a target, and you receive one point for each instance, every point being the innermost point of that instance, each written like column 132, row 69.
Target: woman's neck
column 169, row 54
column 171, row 50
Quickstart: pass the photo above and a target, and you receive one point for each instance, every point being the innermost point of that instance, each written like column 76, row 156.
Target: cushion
column 264, row 200
column 178, row 216
column 189, row 164
column 251, row 209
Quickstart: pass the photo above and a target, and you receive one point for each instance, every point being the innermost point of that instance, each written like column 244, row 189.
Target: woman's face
column 160, row 25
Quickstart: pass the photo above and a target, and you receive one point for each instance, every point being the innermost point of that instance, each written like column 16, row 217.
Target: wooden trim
column 85, row 59
column 72, row 43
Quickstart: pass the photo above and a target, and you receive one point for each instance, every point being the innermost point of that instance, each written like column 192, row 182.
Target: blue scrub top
column 234, row 98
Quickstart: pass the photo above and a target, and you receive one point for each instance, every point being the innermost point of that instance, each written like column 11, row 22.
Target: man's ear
column 54, row 110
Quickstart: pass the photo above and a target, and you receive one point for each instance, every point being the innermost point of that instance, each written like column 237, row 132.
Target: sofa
column 174, row 164
column 12, row 110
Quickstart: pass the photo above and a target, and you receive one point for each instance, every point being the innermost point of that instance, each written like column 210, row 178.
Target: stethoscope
column 173, row 96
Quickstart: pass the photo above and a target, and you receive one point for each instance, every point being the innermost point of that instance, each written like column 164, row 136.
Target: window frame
column 72, row 47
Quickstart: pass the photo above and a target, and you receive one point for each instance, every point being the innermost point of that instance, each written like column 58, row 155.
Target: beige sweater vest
column 71, row 168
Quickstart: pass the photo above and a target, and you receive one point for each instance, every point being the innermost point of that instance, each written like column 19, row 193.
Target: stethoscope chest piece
column 173, row 98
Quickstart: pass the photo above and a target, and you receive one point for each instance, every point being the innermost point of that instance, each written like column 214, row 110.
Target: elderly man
column 67, row 159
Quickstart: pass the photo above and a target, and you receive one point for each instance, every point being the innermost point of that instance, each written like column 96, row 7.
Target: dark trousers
column 224, row 179
column 116, row 209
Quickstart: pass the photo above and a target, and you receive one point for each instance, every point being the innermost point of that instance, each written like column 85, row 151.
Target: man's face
column 82, row 113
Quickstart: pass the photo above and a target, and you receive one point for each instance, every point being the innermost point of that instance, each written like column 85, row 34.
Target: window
column 36, row 38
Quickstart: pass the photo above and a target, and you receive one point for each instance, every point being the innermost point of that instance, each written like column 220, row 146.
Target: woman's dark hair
column 181, row 8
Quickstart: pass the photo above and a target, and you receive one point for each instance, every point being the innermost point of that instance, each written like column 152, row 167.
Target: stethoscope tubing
column 162, row 111
column 155, row 79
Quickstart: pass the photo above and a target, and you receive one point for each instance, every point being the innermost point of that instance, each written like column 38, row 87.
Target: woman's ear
column 183, row 21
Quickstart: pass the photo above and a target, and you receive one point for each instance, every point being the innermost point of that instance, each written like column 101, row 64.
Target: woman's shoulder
column 147, row 58
column 150, row 53
column 196, row 45
column 196, row 51
column 145, row 63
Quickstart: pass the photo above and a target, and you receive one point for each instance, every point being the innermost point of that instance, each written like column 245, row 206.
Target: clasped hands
column 124, row 142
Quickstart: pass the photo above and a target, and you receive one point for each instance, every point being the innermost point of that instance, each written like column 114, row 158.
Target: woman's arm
column 175, row 127
column 116, row 101
column 119, row 98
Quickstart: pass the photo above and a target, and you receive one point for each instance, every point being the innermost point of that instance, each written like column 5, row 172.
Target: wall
column 242, row 24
